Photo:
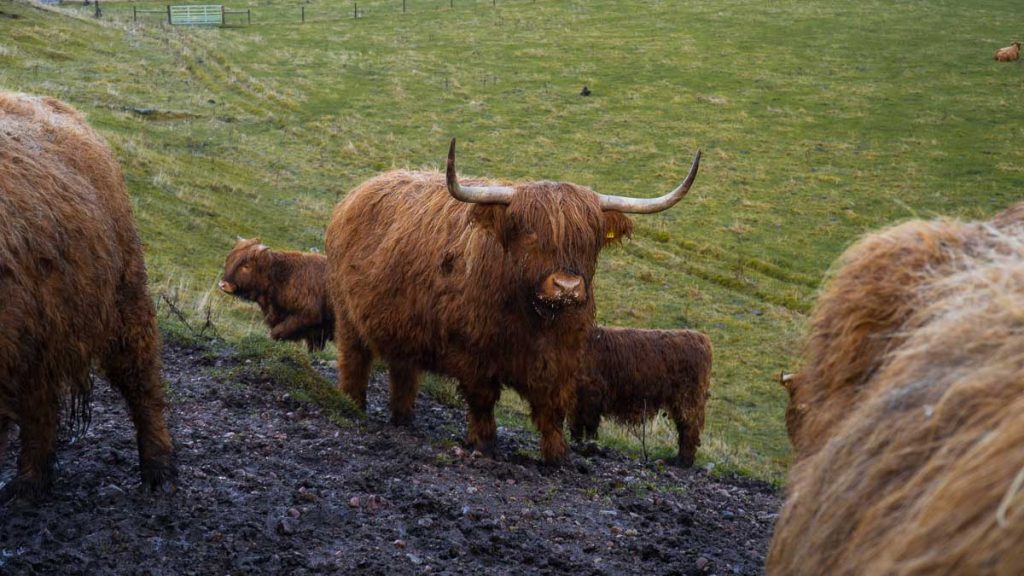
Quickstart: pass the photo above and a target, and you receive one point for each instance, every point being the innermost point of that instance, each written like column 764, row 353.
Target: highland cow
column 490, row 284
column 1010, row 53
column 74, row 291
column 907, row 418
column 289, row 287
column 857, row 321
column 630, row 375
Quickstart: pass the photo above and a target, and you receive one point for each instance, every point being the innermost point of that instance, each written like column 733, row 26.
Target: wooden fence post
column 355, row 10
column 168, row 14
column 303, row 14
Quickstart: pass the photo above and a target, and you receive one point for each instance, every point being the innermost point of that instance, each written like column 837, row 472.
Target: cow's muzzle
column 562, row 289
column 227, row 287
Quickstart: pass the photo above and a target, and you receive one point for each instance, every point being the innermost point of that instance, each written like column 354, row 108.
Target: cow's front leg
column 548, row 412
column 405, row 382
column 482, row 430
column 354, row 361
column 291, row 328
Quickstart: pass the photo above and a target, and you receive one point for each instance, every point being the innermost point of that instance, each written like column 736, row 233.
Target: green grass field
column 819, row 121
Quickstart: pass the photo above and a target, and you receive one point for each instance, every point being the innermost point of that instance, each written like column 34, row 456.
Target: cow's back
column 638, row 364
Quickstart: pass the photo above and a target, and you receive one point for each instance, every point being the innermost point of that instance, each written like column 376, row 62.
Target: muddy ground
column 269, row 485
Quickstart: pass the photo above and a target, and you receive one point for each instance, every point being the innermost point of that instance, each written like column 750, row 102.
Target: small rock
column 286, row 526
column 472, row 490
column 400, row 544
column 728, row 515
column 425, row 522
column 631, row 532
column 702, row 563
column 414, row 559
column 354, row 502
column 294, row 513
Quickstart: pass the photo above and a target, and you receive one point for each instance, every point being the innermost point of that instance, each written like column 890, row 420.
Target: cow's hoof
column 403, row 420
column 587, row 448
column 486, row 448
column 159, row 477
column 25, row 489
column 681, row 462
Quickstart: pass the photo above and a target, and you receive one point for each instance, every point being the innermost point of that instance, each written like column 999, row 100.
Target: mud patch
column 269, row 485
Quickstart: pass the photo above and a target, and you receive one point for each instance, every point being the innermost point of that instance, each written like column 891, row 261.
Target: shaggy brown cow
column 632, row 374
column 74, row 290
column 907, row 419
column 1008, row 54
column 490, row 284
column 853, row 328
column 289, row 287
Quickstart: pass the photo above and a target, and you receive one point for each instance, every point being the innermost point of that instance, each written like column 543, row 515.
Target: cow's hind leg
column 688, row 427
column 132, row 364
column 38, row 412
column 5, row 431
column 354, row 362
column 481, row 427
column 405, row 383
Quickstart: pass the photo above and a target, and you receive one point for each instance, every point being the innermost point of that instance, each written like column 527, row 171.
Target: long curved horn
column 474, row 194
column 652, row 205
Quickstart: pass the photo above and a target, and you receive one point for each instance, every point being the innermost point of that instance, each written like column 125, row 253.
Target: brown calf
column 630, row 375
column 289, row 287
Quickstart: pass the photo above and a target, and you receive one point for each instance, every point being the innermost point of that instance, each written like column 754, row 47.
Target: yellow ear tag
column 610, row 235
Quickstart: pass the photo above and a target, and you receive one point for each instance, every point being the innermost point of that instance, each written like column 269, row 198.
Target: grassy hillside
column 819, row 120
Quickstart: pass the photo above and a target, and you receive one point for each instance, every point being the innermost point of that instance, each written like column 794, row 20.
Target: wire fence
column 270, row 12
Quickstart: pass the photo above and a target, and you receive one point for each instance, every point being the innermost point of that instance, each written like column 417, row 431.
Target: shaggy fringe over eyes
column 921, row 473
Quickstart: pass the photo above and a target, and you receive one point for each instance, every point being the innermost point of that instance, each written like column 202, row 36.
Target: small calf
column 1008, row 54
column 289, row 287
column 630, row 375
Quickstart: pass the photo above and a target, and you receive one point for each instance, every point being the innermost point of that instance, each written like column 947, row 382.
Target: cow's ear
column 493, row 218
column 616, row 226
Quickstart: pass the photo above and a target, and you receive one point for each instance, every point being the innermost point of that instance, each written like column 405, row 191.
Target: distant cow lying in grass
column 1008, row 54
column 906, row 420
column 630, row 375
column 290, row 288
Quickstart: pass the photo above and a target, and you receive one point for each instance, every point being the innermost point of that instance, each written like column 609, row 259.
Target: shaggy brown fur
column 431, row 283
column 1008, row 54
column 289, row 287
column 910, row 444
column 74, row 288
column 630, row 375
column 859, row 316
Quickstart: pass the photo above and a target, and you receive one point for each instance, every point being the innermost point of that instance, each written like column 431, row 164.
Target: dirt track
column 271, row 486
